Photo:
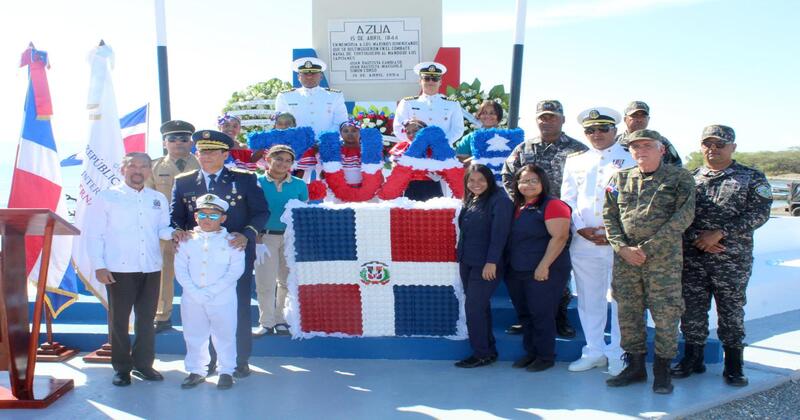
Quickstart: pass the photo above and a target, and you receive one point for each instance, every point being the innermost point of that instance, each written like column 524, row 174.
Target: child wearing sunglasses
column 207, row 268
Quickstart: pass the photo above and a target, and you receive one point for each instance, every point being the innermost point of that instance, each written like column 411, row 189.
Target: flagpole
column 516, row 66
column 163, row 73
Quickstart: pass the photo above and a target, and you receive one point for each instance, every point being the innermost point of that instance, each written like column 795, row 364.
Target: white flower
column 371, row 125
column 379, row 123
column 383, row 129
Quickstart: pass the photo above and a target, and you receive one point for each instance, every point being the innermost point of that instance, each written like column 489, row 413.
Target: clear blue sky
column 695, row 62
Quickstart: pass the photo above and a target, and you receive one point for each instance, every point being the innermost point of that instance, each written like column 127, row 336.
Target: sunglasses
column 210, row 216
column 181, row 138
column 716, row 144
column 590, row 130
column 431, row 78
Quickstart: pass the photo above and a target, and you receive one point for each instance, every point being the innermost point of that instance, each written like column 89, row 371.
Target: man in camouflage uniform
column 637, row 117
column 549, row 151
column 177, row 136
column 647, row 209
column 732, row 201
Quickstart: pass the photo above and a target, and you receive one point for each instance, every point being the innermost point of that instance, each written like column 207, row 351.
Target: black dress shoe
column 161, row 326
column 148, row 374
column 524, row 361
column 225, row 381
column 539, row 365
column 121, row 379
column 514, row 329
column 192, row 381
column 473, row 362
column 242, row 371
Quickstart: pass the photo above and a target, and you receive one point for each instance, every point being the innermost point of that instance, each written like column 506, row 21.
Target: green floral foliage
column 470, row 96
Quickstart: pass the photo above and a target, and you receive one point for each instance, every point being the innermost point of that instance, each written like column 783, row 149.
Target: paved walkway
column 327, row 388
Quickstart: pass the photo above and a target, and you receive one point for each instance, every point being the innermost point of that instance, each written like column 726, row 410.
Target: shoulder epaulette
column 447, row 99
column 410, row 98
column 578, row 153
column 239, row 171
column 288, row 90
column 333, row 90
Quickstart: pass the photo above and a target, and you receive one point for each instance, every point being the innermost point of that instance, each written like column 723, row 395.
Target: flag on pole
column 102, row 158
column 36, row 183
column 134, row 135
column 134, row 130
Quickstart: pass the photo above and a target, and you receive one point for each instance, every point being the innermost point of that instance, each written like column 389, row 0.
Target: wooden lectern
column 19, row 339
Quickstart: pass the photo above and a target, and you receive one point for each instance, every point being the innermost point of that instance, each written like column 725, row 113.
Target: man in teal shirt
column 271, row 270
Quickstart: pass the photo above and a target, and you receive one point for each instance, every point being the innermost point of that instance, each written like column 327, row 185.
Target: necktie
column 212, row 182
column 180, row 163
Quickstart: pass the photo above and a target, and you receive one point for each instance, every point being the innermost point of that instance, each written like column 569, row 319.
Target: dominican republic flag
column 36, row 183
column 491, row 147
column 134, row 135
column 134, row 130
column 374, row 269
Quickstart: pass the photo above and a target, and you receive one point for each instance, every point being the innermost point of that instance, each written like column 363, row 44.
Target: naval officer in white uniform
column 322, row 109
column 430, row 107
column 586, row 175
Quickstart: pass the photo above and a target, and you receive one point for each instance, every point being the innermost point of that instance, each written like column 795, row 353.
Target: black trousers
column 477, row 306
column 423, row 190
column 137, row 292
column 535, row 303
column 244, row 337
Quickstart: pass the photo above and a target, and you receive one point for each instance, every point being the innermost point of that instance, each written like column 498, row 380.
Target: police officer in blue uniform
column 247, row 214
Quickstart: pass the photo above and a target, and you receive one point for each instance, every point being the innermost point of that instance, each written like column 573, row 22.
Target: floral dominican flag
column 374, row 269
column 134, row 130
column 37, row 184
column 492, row 146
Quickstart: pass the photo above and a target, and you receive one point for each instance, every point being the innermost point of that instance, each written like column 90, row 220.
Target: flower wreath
column 371, row 164
column 442, row 161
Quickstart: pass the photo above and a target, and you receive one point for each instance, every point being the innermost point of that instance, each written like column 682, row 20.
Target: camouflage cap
column 637, row 106
column 644, row 135
column 280, row 148
column 549, row 106
column 722, row 132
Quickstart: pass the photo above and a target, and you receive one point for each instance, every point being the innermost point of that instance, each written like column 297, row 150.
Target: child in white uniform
column 208, row 268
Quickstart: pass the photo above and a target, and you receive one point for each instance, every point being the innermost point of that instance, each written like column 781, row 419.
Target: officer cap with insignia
column 176, row 127
column 636, row 106
column 644, row 135
column 430, row 68
column 598, row 116
column 309, row 65
column 212, row 140
column 211, row 201
column 549, row 106
column 721, row 132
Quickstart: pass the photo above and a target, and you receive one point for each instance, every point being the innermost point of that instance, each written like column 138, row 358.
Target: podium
column 19, row 339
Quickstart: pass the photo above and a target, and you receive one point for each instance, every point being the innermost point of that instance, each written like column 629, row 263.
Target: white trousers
column 592, row 272
column 201, row 320
column 271, row 286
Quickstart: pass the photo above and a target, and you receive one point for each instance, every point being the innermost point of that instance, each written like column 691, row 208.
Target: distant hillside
column 783, row 163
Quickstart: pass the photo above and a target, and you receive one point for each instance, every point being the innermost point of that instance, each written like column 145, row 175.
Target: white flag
column 103, row 159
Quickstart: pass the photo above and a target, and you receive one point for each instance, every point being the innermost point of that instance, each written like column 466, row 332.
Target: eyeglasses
column 210, row 216
column 590, row 130
column 172, row 138
column 431, row 78
column 532, row 181
column 716, row 144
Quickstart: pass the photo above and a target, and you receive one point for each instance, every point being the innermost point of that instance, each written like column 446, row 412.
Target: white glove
column 262, row 253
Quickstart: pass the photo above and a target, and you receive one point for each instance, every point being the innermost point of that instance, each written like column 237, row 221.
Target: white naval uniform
column 208, row 268
column 586, row 176
column 319, row 108
column 432, row 110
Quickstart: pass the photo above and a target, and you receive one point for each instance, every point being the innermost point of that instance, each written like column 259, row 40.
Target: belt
column 275, row 232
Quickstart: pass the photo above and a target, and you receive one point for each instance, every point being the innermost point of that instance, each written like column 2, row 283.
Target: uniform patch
column 764, row 190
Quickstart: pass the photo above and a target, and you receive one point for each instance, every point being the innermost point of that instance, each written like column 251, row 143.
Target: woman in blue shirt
column 484, row 223
column 538, row 264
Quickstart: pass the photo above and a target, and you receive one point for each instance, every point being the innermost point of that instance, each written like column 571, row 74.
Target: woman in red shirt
column 538, row 264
